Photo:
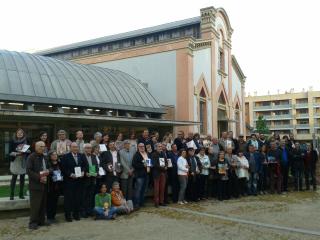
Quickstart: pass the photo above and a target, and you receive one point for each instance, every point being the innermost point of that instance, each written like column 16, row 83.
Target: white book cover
column 102, row 147
column 162, row 162
column 25, row 148
column 102, row 172
column 169, row 163
column 191, row 144
column 77, row 172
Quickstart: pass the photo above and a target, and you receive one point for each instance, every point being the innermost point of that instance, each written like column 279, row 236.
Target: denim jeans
column 252, row 183
column 99, row 212
column 139, row 188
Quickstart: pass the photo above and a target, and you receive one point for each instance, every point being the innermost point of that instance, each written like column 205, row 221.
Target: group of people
column 103, row 178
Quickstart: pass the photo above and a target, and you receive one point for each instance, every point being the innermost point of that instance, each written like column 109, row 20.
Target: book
column 101, row 171
column 169, row 163
column 77, row 172
column 56, row 176
column 103, row 148
column 25, row 148
column 92, row 170
column 148, row 163
column 191, row 144
column 162, row 162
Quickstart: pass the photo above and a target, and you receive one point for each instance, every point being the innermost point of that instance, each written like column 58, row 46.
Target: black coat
column 107, row 159
column 191, row 169
column 34, row 167
column 68, row 164
column 140, row 169
column 156, row 169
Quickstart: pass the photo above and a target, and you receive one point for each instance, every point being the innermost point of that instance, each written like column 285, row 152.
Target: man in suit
column 126, row 156
column 89, row 181
column 73, row 183
column 193, row 193
column 112, row 164
column 37, row 170
column 254, row 169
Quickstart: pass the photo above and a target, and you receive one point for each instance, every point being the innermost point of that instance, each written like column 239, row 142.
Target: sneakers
column 184, row 201
column 33, row 226
column 181, row 203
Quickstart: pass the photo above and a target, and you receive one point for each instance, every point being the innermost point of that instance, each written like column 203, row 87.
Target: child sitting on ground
column 119, row 202
column 103, row 208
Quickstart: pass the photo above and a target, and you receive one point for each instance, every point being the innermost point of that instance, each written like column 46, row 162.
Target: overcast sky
column 276, row 42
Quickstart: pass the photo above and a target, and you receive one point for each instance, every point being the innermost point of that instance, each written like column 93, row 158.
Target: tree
column 261, row 125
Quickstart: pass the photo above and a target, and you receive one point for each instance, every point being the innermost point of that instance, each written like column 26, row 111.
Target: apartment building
column 290, row 112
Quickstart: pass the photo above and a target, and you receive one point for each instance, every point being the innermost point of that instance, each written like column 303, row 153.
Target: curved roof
column 31, row 78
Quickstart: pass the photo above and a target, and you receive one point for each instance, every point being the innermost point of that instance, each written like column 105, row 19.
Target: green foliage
column 261, row 125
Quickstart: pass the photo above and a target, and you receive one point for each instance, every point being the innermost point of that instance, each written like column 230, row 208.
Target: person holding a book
column 37, row 170
column 141, row 163
column 118, row 200
column 103, row 208
column 55, row 181
column 73, row 168
column 205, row 162
column 193, row 190
column 89, row 180
column 222, row 169
column 159, row 173
column 18, row 153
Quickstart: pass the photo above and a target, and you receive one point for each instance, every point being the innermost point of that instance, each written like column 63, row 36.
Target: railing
column 317, row 114
column 317, row 125
column 316, row 104
column 300, row 126
column 283, row 106
column 301, row 105
column 281, row 126
column 270, row 117
column 303, row 115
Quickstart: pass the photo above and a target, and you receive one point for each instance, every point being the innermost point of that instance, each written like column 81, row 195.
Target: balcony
column 316, row 104
column 302, row 115
column 302, row 126
column 317, row 125
column 272, row 107
column 316, row 115
column 301, row 105
column 275, row 117
column 281, row 127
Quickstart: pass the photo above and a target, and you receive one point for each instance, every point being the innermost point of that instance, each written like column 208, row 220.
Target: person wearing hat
column 126, row 177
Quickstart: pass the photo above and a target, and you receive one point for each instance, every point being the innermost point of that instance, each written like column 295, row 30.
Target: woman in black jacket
column 141, row 164
column 55, row 186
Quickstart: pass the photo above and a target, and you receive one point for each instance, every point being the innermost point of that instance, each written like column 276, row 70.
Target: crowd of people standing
column 103, row 178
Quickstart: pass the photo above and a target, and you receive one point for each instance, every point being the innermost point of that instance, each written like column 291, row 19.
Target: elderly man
column 89, row 181
column 73, row 168
column 37, row 170
column 62, row 144
column 80, row 141
column 126, row 156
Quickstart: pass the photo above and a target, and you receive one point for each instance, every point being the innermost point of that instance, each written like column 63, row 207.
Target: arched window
column 203, row 118
column 221, row 52
column 237, row 119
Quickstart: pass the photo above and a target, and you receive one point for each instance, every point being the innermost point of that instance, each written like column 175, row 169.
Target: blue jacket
column 257, row 158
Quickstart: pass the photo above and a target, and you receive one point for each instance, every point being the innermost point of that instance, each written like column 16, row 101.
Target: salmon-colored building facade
column 188, row 66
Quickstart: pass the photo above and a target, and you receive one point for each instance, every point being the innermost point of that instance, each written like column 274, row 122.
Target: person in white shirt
column 204, row 159
column 242, row 172
column 183, row 169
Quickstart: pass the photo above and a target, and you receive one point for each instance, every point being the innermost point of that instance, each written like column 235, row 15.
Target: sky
column 276, row 42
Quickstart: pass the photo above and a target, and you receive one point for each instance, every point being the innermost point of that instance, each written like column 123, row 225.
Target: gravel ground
column 292, row 210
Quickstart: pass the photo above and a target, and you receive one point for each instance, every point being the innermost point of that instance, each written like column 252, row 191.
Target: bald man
column 73, row 183
column 37, row 170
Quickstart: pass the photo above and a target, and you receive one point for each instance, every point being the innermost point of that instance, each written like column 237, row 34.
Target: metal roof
column 123, row 36
column 27, row 77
